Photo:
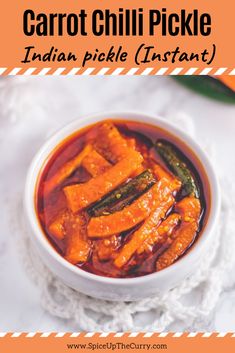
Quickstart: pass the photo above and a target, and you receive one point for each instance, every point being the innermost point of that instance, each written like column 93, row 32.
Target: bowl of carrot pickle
column 121, row 206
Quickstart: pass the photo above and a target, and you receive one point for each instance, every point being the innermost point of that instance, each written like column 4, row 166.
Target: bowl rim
column 52, row 142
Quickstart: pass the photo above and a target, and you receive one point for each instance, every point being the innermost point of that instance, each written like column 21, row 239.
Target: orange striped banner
column 115, row 71
column 41, row 43
column 123, row 342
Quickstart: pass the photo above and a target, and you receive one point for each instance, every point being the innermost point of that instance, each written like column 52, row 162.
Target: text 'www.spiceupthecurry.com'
column 117, row 346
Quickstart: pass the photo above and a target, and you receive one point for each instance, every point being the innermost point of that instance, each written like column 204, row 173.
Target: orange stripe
column 170, row 344
column 227, row 76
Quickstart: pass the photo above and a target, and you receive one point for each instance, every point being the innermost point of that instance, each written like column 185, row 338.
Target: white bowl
column 128, row 289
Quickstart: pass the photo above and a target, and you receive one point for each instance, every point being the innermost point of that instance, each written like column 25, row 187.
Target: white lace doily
column 90, row 314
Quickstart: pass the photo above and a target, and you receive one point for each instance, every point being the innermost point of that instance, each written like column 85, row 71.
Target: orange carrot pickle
column 122, row 199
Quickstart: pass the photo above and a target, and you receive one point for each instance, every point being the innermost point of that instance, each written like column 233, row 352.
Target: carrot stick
column 80, row 196
column 160, row 233
column 160, row 173
column 163, row 202
column 77, row 250
column 72, row 229
column 106, row 247
column 110, row 143
column 56, row 228
column 95, row 164
column 142, row 233
column 78, row 246
column 190, row 210
column 65, row 171
column 125, row 219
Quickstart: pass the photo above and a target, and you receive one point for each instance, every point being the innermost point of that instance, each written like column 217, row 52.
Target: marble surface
column 31, row 109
